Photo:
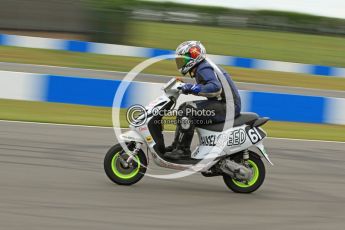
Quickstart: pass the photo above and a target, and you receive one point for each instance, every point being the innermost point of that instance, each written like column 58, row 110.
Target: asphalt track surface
column 51, row 177
column 88, row 73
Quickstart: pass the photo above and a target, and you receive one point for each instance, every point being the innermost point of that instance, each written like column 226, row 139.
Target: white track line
column 105, row 127
column 313, row 90
column 71, row 68
column 55, row 124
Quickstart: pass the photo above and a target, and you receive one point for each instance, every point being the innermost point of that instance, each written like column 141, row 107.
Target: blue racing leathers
column 204, row 112
column 209, row 85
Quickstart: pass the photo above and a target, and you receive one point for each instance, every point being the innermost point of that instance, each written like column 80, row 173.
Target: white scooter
column 220, row 152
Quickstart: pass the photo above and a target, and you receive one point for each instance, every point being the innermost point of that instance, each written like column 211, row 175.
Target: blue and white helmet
column 189, row 54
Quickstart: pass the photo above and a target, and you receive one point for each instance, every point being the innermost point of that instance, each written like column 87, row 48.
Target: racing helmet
column 188, row 55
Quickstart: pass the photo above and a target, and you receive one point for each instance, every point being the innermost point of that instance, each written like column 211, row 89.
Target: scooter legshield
column 131, row 136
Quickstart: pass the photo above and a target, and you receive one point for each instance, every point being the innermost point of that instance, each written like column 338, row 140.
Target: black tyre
column 259, row 172
column 124, row 175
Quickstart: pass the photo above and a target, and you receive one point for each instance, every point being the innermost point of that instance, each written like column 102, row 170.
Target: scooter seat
column 243, row 118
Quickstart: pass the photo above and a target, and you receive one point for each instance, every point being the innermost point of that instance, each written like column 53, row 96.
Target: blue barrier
column 81, row 91
column 111, row 49
column 100, row 92
column 286, row 107
column 77, row 46
column 2, row 40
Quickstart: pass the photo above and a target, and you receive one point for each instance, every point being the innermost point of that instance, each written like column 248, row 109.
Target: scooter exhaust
column 235, row 170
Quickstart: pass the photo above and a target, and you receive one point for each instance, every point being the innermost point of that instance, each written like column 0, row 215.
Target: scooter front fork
column 134, row 152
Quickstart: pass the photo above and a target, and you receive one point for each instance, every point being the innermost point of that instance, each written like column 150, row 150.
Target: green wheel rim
column 125, row 175
column 254, row 178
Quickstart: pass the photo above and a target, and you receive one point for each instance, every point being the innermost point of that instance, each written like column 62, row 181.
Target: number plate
column 255, row 134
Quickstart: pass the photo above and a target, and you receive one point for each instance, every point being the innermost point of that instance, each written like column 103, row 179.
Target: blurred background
column 61, row 62
column 260, row 30
column 114, row 21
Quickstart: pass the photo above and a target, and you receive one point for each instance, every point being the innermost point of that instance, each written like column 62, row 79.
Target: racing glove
column 190, row 88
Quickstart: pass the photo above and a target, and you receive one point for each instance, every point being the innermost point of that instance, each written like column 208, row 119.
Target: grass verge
column 99, row 116
column 283, row 46
column 119, row 63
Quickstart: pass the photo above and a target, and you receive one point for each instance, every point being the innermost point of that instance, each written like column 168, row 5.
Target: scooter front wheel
column 124, row 174
column 257, row 179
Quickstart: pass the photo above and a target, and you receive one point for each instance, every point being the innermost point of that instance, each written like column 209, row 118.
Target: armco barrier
column 131, row 51
column 100, row 92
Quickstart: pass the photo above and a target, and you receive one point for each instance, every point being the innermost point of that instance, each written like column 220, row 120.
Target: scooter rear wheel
column 258, row 168
column 120, row 174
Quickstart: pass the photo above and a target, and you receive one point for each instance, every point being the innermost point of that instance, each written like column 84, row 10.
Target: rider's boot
column 182, row 150
column 173, row 145
column 183, row 135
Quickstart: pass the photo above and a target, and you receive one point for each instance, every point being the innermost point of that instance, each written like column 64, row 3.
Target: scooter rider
column 191, row 59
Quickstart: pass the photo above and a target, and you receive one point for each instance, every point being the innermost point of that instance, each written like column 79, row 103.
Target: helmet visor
column 181, row 61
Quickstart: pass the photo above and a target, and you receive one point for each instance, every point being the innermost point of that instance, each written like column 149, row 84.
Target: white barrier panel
column 100, row 92
column 22, row 86
column 335, row 111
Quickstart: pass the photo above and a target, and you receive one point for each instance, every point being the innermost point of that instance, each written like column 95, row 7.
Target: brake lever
column 179, row 79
